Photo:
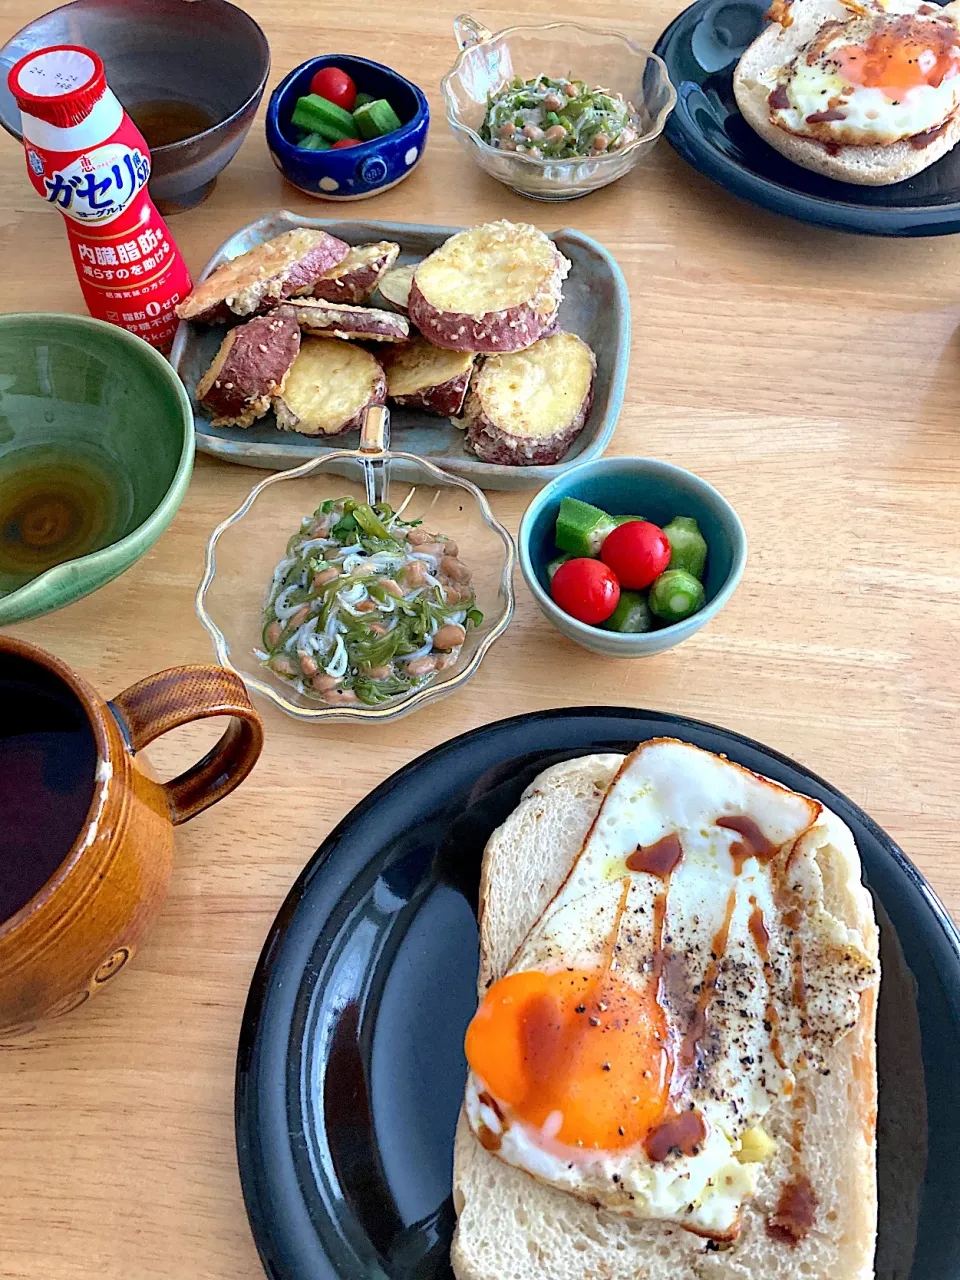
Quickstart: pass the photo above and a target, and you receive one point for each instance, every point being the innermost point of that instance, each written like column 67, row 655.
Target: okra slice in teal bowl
column 639, row 487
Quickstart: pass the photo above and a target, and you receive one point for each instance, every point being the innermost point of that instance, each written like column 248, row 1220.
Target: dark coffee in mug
column 48, row 760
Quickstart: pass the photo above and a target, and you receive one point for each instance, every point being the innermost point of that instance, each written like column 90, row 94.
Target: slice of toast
column 512, row 1227
column 756, row 75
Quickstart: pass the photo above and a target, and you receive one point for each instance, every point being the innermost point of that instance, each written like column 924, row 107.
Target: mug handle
column 179, row 696
column 469, row 32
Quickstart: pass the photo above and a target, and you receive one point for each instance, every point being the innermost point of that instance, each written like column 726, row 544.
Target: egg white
column 706, row 1192
column 871, row 117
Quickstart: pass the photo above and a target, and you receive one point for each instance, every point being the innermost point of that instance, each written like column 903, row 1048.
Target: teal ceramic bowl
column 657, row 491
column 96, row 452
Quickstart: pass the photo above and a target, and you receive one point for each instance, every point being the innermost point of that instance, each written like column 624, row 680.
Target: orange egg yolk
column 584, row 1045
column 900, row 56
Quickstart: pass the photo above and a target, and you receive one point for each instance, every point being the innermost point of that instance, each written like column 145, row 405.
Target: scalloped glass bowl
column 603, row 58
column 244, row 550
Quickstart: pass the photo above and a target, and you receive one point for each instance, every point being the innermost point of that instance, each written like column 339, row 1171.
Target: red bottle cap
column 60, row 84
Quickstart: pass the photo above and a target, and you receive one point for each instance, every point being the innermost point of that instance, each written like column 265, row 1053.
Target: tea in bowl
column 96, row 452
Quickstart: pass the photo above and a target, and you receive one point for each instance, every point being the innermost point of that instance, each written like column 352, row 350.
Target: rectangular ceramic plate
column 596, row 306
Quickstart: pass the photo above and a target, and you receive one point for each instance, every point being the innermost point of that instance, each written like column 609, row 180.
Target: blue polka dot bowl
column 349, row 173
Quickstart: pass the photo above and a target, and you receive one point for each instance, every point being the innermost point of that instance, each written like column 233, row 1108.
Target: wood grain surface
column 811, row 376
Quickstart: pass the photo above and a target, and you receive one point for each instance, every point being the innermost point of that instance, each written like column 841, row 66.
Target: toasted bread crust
column 755, row 75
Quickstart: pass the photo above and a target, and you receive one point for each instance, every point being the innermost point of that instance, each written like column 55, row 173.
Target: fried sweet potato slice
column 263, row 276
column 250, row 369
column 330, row 385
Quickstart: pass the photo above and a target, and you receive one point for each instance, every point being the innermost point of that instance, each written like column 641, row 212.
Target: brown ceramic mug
column 86, row 834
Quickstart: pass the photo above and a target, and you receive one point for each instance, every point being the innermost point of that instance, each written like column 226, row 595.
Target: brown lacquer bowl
column 208, row 54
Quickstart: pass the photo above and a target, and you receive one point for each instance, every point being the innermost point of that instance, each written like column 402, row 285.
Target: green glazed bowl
column 96, row 452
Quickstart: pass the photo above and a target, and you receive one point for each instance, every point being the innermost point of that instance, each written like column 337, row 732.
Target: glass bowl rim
column 413, row 701
column 568, row 162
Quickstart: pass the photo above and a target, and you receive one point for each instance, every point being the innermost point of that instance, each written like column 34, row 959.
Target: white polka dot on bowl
column 329, row 184
column 411, row 156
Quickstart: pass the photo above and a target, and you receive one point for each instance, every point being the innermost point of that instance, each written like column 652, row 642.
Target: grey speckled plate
column 596, row 306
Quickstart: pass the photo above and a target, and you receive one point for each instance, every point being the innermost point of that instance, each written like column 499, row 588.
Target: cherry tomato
column 346, row 142
column 336, row 86
column 637, row 553
column 586, row 589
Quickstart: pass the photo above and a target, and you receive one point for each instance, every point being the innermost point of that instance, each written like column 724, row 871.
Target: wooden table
column 811, row 376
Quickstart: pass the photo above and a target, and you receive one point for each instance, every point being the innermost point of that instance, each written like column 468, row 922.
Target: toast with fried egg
column 867, row 93
column 807, row 1198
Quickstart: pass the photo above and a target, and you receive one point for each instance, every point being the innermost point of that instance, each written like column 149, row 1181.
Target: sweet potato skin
column 419, row 376
column 445, row 399
column 290, row 419
column 490, row 444
column 492, row 439
column 355, row 279
column 368, row 324
column 514, row 329
column 257, row 280
column 250, row 369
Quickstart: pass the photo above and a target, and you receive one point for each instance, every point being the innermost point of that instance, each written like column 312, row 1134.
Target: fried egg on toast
column 865, row 91
column 678, row 966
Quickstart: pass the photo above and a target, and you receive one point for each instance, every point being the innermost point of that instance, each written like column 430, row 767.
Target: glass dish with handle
column 603, row 59
column 244, row 551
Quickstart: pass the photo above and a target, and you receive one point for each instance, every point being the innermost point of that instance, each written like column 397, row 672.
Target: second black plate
column 701, row 47
column 350, row 1070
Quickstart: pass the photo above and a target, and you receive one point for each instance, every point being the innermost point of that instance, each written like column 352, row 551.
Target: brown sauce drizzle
column 754, row 844
column 796, row 1212
column 771, row 1017
column 779, row 11
column 778, row 100
column 659, row 919
column 687, row 1053
column 761, row 936
column 684, row 1131
column 489, row 1140
column 792, row 919
column 489, row 1101
column 799, row 986
column 660, row 859
column 824, row 117
column 610, row 946
column 921, row 140
column 759, row 931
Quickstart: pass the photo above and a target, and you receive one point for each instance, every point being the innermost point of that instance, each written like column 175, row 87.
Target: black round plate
column 701, row 48
column 351, row 1069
